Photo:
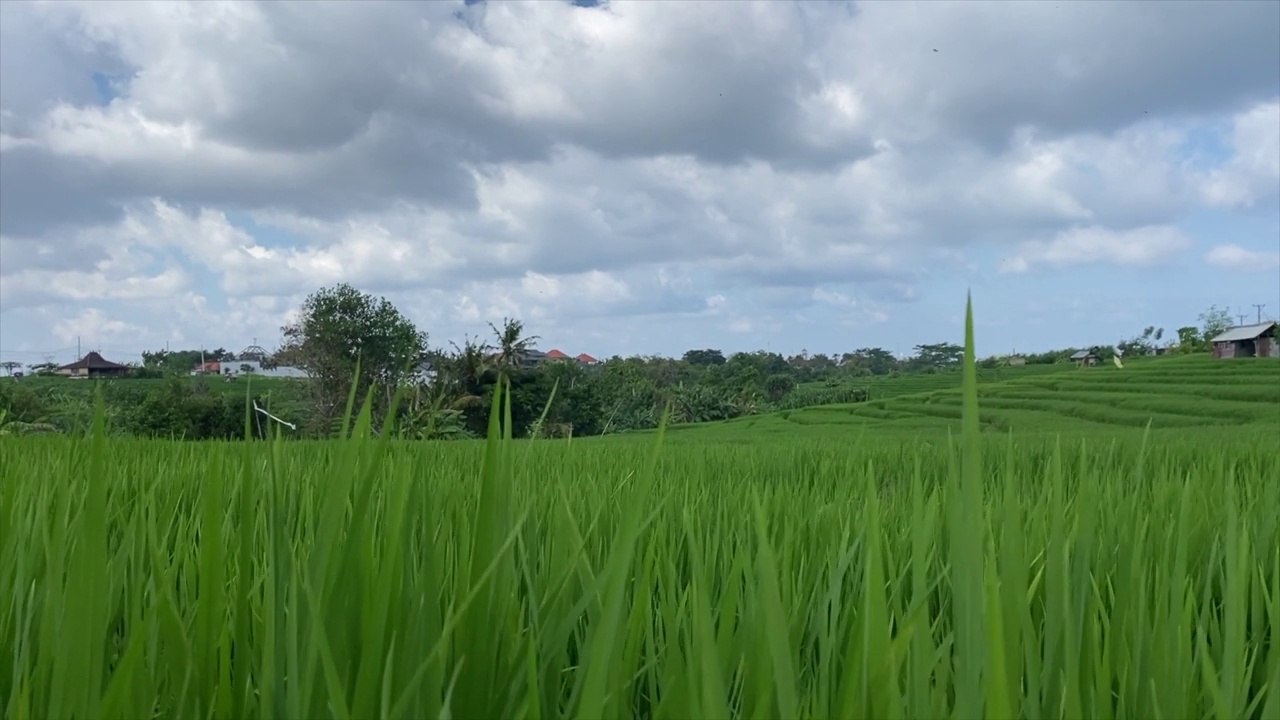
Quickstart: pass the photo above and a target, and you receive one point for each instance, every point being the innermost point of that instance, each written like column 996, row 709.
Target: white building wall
column 236, row 368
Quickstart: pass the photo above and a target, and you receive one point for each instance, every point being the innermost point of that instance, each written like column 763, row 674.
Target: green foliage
column 45, row 369
column 704, row 357
column 513, row 345
column 10, row 426
column 1144, row 344
column 777, row 386
column 176, row 407
column 1214, row 321
column 184, row 410
column 339, row 327
column 360, row 577
column 1189, row 339
column 1175, row 393
column 181, row 362
column 938, row 356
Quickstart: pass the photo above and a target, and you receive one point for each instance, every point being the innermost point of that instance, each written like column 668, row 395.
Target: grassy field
column 801, row 575
column 1176, row 393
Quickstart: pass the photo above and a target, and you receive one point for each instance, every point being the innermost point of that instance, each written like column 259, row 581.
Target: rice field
column 889, row 386
column 865, row 576
column 1170, row 395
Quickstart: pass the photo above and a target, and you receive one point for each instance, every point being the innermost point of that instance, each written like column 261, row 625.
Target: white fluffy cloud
column 742, row 167
column 1234, row 257
column 1140, row 247
column 1252, row 177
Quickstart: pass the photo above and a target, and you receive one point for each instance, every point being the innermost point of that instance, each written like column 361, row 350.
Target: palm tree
column 512, row 347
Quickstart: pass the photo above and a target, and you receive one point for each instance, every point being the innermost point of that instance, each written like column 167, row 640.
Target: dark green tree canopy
column 704, row 357
column 939, row 355
column 338, row 326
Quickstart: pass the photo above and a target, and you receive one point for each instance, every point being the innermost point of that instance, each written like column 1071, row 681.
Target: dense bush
column 175, row 408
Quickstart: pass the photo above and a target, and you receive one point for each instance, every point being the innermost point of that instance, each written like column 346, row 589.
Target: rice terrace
column 1097, row 542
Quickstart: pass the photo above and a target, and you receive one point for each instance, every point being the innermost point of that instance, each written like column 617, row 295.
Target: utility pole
column 1258, row 307
column 78, row 355
column 1241, row 316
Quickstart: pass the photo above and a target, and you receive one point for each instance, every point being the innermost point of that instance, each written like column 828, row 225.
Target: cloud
column 1141, row 247
column 94, row 324
column 692, row 165
column 852, row 310
column 1236, row 258
column 1252, row 176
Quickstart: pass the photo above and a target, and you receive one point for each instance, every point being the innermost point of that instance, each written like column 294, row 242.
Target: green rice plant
column 796, row 575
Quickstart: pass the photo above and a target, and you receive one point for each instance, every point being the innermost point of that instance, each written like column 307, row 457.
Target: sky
column 636, row 177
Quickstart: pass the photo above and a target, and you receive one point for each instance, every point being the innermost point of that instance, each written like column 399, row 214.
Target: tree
column 44, row 368
column 1214, row 322
column 339, row 326
column 938, row 355
column 460, row 384
column 778, row 386
column 876, row 361
column 181, row 362
column 9, row 366
column 1144, row 344
column 704, row 357
column 1189, row 339
column 513, row 345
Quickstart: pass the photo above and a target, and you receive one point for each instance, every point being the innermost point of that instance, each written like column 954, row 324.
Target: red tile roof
column 587, row 358
column 556, row 355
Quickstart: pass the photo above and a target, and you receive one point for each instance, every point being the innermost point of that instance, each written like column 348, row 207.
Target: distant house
column 1017, row 361
column 529, row 358
column 1084, row 358
column 93, row 365
column 1257, row 340
column 533, row 358
column 425, row 373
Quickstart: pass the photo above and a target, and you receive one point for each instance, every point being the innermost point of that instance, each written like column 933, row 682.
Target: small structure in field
column 1257, row 340
column 1085, row 358
column 585, row 359
column 93, row 365
column 1017, row 361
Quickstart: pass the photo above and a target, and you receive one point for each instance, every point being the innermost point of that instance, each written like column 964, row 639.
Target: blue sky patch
column 1206, row 145
column 109, row 87
column 267, row 236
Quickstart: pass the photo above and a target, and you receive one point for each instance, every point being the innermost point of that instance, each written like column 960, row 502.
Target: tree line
column 342, row 335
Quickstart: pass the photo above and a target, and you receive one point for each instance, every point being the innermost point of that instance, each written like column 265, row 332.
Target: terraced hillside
column 889, row 386
column 1168, row 393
